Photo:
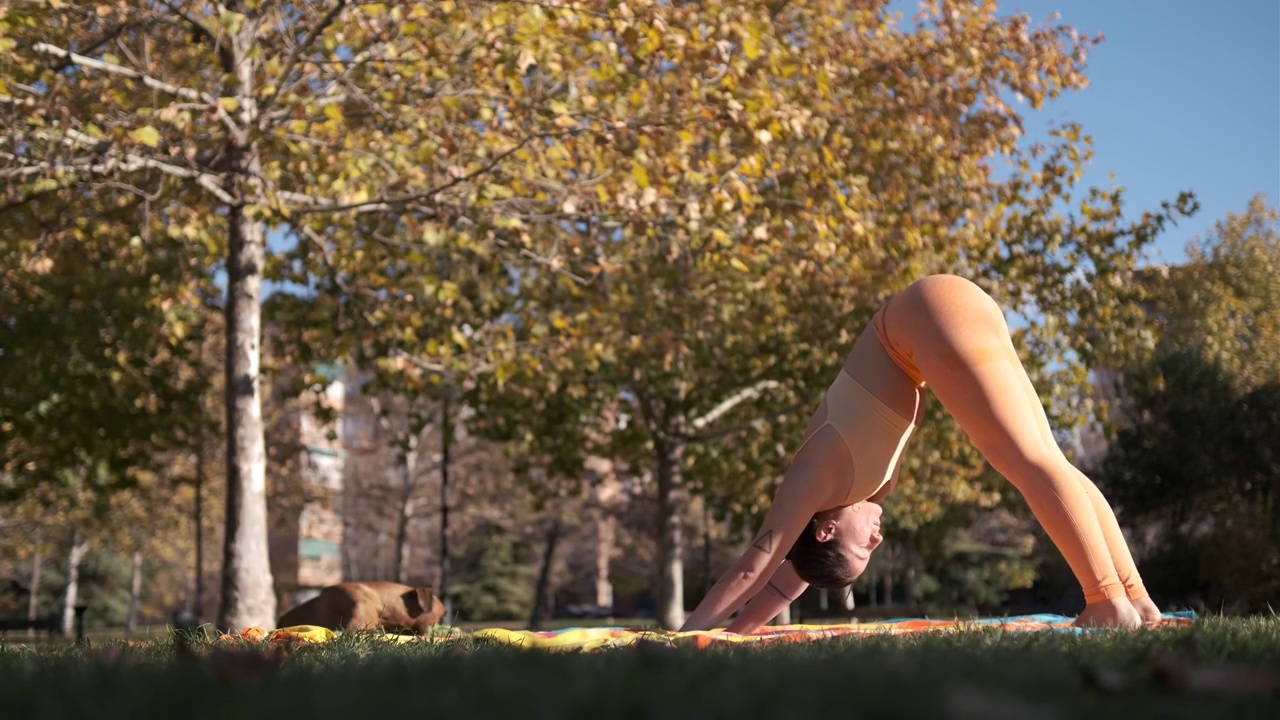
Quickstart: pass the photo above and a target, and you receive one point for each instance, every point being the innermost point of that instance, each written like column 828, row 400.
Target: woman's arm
column 781, row 590
column 800, row 495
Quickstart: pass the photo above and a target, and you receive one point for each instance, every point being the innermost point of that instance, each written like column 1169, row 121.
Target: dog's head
column 424, row 608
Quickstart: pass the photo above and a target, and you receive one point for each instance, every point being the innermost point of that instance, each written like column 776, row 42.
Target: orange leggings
column 944, row 331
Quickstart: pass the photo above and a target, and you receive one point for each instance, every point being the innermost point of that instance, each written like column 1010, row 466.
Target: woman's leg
column 957, row 338
column 1126, row 569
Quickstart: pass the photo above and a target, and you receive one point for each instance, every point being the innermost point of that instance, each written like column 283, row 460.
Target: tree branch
column 427, row 194
column 554, row 264
column 196, row 26
column 296, row 53
column 146, row 80
column 8, row 100
column 748, row 393
column 129, row 162
column 106, row 37
column 317, row 204
column 567, row 6
column 102, row 150
column 30, row 197
column 437, row 368
column 647, row 413
column 754, row 424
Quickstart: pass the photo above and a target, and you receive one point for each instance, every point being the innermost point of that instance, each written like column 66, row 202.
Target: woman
column 943, row 331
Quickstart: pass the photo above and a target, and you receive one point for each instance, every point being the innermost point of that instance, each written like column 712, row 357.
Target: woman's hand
column 809, row 486
column 742, row 582
column 804, row 490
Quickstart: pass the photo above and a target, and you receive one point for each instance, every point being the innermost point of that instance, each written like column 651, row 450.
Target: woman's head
column 836, row 546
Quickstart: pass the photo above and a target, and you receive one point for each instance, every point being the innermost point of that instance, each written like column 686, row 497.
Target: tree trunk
column 446, row 445
column 400, row 562
column 606, row 529
column 248, row 596
column 408, row 468
column 79, row 546
column 784, row 617
column 706, row 546
column 135, row 591
column 379, row 557
column 540, row 591
column 197, row 602
column 33, row 600
column 672, row 500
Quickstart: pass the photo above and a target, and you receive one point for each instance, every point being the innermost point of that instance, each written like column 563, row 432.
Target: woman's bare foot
column 1114, row 613
column 1148, row 611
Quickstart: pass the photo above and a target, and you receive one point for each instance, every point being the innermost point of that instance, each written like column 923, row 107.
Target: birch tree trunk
column 135, row 591
column 248, row 596
column 784, row 617
column 672, row 499
column 79, row 546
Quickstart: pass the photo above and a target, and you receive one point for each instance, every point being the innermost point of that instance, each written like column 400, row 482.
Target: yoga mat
column 600, row 638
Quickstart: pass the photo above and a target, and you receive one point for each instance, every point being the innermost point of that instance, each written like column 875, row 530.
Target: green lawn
column 983, row 674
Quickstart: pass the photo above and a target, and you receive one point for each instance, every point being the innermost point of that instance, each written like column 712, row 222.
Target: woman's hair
column 821, row 564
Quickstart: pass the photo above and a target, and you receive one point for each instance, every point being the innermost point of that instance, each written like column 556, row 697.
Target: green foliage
column 974, row 580
column 345, row 126
column 104, row 587
column 493, row 582
column 753, row 237
column 749, row 213
column 101, row 313
column 1197, row 462
column 671, row 218
column 966, row 560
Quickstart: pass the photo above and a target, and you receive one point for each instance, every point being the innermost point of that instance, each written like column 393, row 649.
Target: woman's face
column 857, row 530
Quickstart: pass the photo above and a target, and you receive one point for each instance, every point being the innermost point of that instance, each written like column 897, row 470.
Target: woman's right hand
column 1113, row 613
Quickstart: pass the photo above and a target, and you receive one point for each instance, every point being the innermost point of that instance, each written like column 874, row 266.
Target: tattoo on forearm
column 778, row 591
column 764, row 543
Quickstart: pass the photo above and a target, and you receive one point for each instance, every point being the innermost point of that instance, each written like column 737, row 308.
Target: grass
column 981, row 674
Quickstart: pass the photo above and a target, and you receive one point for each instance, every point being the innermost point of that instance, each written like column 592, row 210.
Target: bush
column 494, row 584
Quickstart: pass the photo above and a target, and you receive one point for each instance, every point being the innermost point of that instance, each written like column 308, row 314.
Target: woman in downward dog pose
column 943, row 332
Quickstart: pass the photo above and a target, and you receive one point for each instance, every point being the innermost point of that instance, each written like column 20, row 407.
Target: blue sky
column 1183, row 95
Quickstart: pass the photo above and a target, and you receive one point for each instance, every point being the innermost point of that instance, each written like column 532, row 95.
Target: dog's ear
column 424, row 596
column 431, row 605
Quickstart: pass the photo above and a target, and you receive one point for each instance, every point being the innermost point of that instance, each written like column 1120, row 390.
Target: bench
column 50, row 624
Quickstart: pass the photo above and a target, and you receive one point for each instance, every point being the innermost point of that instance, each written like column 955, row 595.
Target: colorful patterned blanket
column 599, row 638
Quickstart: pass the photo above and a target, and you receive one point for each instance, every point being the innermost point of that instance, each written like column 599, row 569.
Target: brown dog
column 356, row 606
